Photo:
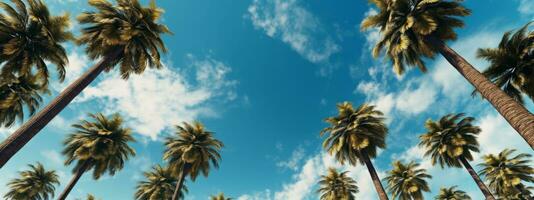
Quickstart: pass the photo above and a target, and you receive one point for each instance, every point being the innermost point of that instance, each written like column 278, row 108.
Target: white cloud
column 53, row 156
column 292, row 23
column 294, row 161
column 416, row 101
column 159, row 99
column 265, row 195
column 526, row 7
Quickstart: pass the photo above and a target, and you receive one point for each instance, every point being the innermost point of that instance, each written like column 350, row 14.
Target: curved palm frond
column 452, row 193
column 337, row 186
column 407, row 181
column 159, row 185
column 220, row 196
column 34, row 184
column 17, row 93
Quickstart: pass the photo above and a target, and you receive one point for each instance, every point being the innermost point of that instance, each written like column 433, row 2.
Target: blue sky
column 263, row 74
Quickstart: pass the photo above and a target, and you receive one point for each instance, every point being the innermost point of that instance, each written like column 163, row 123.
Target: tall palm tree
column 407, row 181
column 220, row 196
column 337, row 186
column 354, row 135
column 125, row 35
column 34, row 184
column 100, row 144
column 450, row 141
column 452, row 194
column 505, row 174
column 159, row 185
column 192, row 150
column 511, row 63
column 17, row 93
column 413, row 30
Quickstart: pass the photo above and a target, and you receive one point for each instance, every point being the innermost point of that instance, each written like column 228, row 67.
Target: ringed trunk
column 480, row 183
column 28, row 130
column 376, row 181
column 73, row 181
column 516, row 115
column 181, row 178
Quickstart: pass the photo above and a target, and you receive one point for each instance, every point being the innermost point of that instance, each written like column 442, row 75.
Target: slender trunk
column 181, row 178
column 28, row 130
column 480, row 183
column 516, row 115
column 376, row 181
column 73, row 181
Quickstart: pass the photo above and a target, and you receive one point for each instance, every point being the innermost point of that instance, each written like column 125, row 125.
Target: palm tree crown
column 220, row 196
column 404, row 25
column 195, row 146
column 159, row 185
column 17, row 93
column 511, row 63
column 406, row 181
column 355, row 130
column 337, row 186
column 448, row 139
column 102, row 144
column 29, row 37
column 505, row 173
column 34, row 184
column 130, row 29
column 452, row 194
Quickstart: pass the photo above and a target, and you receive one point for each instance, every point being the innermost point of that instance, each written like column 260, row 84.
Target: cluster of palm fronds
column 128, row 36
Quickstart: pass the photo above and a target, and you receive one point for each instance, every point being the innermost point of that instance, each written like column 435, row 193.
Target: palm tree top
column 337, row 186
column 37, row 183
column 220, row 196
column 407, row 181
column 511, row 63
column 102, row 142
column 31, row 36
column 159, row 184
column 17, row 93
column 449, row 139
column 353, row 130
column 404, row 25
column 193, row 146
column 452, row 193
column 127, row 28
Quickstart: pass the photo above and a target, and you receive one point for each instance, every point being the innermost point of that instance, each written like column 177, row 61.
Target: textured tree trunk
column 73, row 181
column 516, row 115
column 376, row 181
column 28, row 130
column 181, row 177
column 480, row 183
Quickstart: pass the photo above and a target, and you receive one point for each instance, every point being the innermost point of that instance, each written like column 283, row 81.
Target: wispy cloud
column 292, row 23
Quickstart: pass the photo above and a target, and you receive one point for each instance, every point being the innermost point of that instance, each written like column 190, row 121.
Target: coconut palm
column 100, row 145
column 125, row 35
column 159, row 185
column 511, row 64
column 34, row 184
column 220, row 196
column 190, row 151
column 450, row 141
column 16, row 93
column 355, row 135
column 412, row 30
column 407, row 181
column 452, row 193
column 337, row 186
column 506, row 173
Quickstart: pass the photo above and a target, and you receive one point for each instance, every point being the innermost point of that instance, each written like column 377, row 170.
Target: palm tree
column 125, row 35
column 413, row 30
column 220, row 196
column 34, row 184
column 337, row 186
column 452, row 194
column 192, row 150
column 100, row 145
column 450, row 141
column 355, row 135
column 506, row 172
column 90, row 197
column 159, row 185
column 17, row 93
column 406, row 181
column 511, row 64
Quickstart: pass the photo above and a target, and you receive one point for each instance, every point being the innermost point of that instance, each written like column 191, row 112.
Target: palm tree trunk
column 516, row 115
column 181, row 177
column 480, row 183
column 74, row 180
column 376, row 181
column 28, row 130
